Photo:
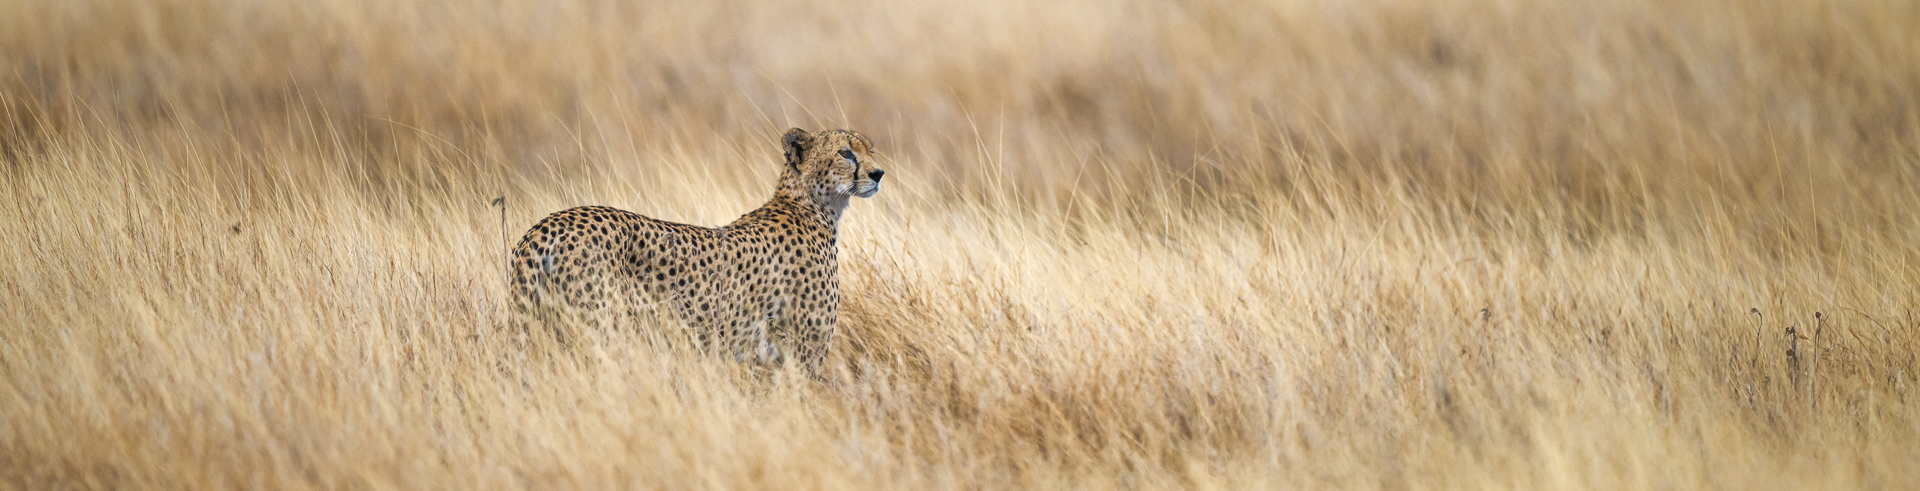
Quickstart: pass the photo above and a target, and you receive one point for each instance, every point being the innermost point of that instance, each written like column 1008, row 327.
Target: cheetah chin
column 764, row 289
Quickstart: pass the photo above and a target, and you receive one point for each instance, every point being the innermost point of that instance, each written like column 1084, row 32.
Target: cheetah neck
column 817, row 205
column 807, row 210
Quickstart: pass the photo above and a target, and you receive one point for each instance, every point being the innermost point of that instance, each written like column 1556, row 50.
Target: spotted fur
column 758, row 289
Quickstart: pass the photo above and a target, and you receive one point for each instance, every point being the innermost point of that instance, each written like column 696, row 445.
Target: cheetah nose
column 875, row 175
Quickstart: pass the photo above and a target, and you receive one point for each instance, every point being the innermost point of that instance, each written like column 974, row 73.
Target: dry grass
column 1373, row 244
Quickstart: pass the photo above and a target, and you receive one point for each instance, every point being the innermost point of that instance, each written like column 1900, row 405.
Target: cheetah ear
column 796, row 142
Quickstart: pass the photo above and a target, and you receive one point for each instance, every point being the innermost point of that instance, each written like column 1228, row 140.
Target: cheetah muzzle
column 762, row 289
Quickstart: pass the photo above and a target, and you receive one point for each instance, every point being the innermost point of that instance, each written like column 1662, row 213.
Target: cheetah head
column 831, row 165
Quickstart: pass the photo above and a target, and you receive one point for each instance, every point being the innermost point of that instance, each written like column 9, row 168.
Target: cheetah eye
column 847, row 154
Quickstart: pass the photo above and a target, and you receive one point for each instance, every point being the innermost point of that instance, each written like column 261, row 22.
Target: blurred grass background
column 1204, row 244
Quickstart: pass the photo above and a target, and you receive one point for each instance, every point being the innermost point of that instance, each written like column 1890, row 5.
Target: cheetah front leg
column 811, row 337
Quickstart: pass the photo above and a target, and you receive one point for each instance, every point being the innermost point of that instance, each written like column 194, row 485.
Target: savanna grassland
column 1203, row 244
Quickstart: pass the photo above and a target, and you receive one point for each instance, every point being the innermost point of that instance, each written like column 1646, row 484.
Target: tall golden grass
column 1208, row 244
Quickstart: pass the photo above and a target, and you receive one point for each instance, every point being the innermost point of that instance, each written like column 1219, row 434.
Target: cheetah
column 764, row 288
